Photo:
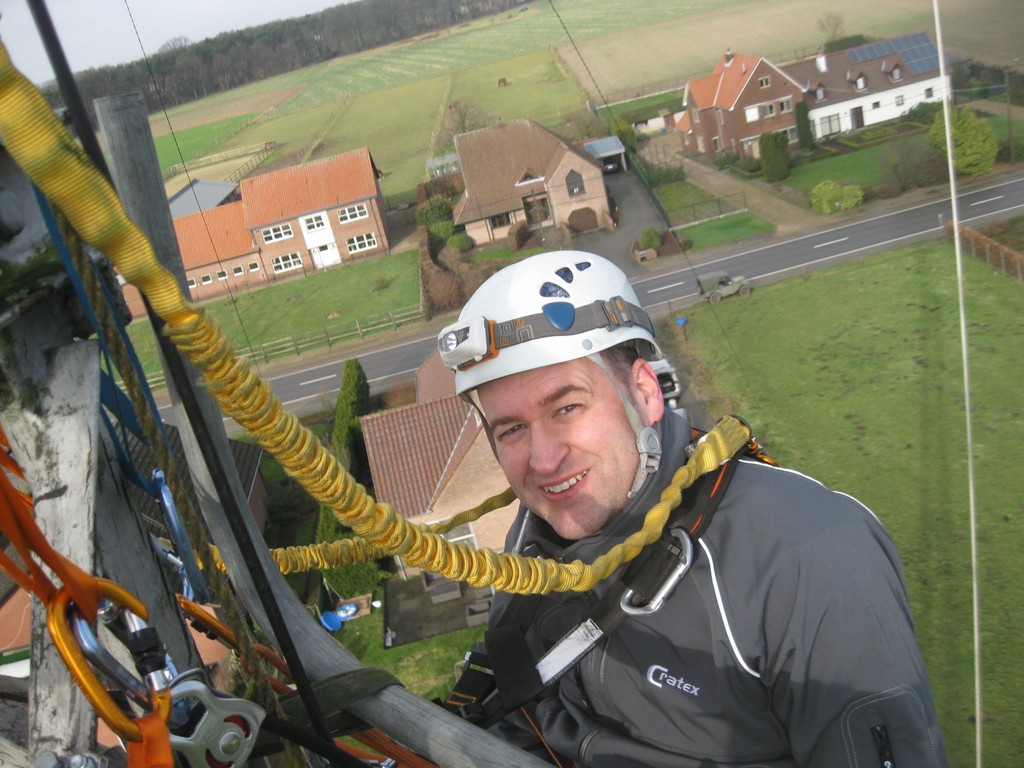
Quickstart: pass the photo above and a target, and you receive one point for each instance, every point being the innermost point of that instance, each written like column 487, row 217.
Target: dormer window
column 860, row 82
column 819, row 93
column 896, row 74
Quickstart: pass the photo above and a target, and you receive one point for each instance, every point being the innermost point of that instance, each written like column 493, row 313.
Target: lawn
column 296, row 306
column 685, row 203
column 726, row 230
column 190, row 143
column 865, row 168
column 853, row 375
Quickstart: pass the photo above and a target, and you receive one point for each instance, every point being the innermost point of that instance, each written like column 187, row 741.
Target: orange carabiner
column 63, row 638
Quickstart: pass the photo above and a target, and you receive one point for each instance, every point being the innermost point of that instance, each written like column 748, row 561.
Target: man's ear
column 650, row 403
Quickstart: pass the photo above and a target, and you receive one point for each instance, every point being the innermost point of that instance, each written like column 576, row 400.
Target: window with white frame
column 876, row 104
column 897, row 73
column 353, row 212
column 819, row 93
column 769, row 110
column 222, row 274
column 696, row 116
column 205, row 279
column 280, row 232
column 254, row 266
column 765, row 81
column 191, row 282
column 860, row 83
column 899, row 101
column 314, row 222
column 361, row 242
column 237, row 271
column 751, row 114
column 829, row 125
column 786, row 105
column 287, row 262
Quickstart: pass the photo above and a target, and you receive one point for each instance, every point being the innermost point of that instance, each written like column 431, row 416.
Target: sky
column 96, row 33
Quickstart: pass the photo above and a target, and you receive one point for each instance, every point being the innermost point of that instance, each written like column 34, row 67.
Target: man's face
column 562, row 438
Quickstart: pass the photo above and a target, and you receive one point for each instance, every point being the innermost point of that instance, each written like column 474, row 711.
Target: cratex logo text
column 660, row 678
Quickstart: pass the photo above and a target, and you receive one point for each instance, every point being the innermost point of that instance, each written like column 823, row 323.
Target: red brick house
column 727, row 111
column 288, row 223
column 316, row 215
column 521, row 171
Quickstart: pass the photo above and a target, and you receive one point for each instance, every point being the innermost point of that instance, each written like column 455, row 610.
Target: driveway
column 638, row 213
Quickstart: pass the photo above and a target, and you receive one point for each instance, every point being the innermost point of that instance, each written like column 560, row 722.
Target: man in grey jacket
column 788, row 642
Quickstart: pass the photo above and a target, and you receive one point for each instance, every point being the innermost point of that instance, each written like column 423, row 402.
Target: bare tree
column 832, row 24
column 174, row 44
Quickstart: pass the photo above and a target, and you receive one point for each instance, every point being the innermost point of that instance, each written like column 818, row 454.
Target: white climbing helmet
column 546, row 309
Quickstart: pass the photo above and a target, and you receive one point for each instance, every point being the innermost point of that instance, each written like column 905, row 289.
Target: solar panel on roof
column 917, row 51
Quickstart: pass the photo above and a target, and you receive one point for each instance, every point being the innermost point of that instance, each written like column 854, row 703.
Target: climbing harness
column 505, row 678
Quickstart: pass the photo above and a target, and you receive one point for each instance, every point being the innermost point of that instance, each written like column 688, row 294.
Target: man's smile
column 567, row 484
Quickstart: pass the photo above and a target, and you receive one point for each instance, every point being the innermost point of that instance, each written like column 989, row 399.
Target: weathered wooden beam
column 422, row 726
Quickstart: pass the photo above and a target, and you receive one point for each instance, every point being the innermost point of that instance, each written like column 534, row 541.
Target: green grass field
column 188, row 144
column 864, row 168
column 295, row 306
column 726, row 230
column 853, row 375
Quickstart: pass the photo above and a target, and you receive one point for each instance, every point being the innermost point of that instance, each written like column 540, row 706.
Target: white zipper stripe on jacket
column 721, row 611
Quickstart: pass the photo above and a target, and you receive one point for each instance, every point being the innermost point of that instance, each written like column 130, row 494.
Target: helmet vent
column 583, row 265
column 565, row 273
column 552, row 291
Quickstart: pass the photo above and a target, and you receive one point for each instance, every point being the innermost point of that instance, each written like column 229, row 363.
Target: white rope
column 972, row 516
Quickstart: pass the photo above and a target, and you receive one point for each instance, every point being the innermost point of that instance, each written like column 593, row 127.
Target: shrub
column 650, row 238
column 803, row 126
column 726, row 160
column 461, row 242
column 748, row 165
column 775, row 155
column 435, row 210
column 442, row 230
column 685, row 243
column 829, row 197
column 518, row 234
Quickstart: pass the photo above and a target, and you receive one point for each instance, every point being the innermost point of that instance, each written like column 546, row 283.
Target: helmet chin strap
column 648, row 440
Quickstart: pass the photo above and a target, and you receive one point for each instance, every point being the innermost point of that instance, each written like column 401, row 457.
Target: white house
column 869, row 84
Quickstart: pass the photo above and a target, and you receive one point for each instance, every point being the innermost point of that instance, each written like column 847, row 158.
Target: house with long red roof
column 282, row 224
column 727, row 111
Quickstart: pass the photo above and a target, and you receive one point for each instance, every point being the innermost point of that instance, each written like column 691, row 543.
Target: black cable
column 184, row 386
column 302, row 737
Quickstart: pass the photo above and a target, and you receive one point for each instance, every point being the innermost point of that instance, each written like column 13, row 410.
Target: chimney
column 728, row 56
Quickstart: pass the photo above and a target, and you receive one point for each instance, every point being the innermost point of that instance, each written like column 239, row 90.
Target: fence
column 716, row 208
column 331, row 334
column 262, row 149
column 993, row 253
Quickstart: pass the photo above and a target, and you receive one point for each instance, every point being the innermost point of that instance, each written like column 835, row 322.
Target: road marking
column 317, row 381
column 990, row 200
column 831, row 242
column 665, row 287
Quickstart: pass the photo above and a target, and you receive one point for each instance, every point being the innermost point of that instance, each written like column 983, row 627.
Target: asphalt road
column 312, row 386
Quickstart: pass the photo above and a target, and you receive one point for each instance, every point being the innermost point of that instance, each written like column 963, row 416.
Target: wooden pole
column 422, row 726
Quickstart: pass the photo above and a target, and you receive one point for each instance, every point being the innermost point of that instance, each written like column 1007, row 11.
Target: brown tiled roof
column 408, row 449
column 840, row 73
column 330, row 182
column 495, row 160
column 212, row 235
column 434, row 379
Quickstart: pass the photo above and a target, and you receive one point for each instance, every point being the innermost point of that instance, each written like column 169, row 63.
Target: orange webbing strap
column 18, row 525
column 154, row 749
column 148, row 737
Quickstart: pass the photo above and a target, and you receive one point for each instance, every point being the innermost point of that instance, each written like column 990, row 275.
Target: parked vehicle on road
column 719, row 284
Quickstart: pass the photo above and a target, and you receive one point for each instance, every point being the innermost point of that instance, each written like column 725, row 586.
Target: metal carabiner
column 61, row 614
column 684, row 556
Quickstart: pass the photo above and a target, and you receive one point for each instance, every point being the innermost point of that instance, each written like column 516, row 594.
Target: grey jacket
column 788, row 643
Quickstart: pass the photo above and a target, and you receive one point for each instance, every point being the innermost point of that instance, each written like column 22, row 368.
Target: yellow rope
column 50, row 157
